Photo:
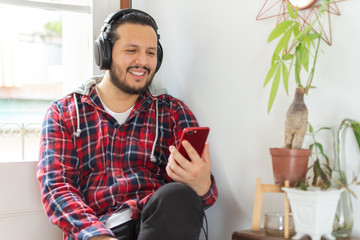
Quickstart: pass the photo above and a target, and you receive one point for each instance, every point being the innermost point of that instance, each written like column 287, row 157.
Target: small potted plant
column 296, row 51
column 314, row 202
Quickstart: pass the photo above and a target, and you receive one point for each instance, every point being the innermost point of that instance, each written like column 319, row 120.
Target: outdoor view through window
column 42, row 54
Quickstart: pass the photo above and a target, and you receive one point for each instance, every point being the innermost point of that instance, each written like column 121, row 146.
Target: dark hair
column 136, row 17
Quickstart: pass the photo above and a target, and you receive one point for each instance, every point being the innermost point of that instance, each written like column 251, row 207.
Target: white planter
column 313, row 211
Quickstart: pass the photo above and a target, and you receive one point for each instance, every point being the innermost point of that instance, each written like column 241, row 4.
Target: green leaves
column 356, row 128
column 304, row 32
column 274, row 88
column 282, row 44
column 304, row 56
column 270, row 73
column 303, row 186
column 277, row 69
column 293, row 14
column 322, row 174
column 297, row 45
column 355, row 125
column 298, row 66
column 321, row 171
column 285, row 73
column 279, row 30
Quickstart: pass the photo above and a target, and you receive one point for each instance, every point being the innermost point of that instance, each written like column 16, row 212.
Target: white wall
column 21, row 212
column 215, row 58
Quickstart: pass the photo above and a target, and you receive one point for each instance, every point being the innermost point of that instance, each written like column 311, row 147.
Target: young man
column 108, row 168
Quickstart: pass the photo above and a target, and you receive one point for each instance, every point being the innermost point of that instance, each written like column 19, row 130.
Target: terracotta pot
column 289, row 164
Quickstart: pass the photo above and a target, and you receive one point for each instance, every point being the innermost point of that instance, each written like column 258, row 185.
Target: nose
column 142, row 59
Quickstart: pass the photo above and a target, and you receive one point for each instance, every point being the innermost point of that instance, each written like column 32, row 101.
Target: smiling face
column 134, row 58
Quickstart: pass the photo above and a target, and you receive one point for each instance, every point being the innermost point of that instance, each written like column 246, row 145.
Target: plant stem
column 311, row 75
column 316, row 148
column 340, row 143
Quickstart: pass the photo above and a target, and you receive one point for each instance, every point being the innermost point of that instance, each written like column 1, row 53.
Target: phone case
column 196, row 136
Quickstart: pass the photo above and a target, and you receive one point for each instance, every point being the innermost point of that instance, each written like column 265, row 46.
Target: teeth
column 137, row 73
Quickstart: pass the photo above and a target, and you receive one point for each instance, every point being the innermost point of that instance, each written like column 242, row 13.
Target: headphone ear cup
column 97, row 52
column 160, row 55
column 107, row 54
column 102, row 52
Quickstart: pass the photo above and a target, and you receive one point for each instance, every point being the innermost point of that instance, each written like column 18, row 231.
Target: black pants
column 174, row 212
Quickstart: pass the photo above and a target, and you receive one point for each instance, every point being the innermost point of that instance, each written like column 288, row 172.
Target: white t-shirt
column 120, row 117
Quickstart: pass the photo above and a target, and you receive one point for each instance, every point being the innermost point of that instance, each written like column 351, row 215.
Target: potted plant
column 315, row 201
column 297, row 50
column 313, row 211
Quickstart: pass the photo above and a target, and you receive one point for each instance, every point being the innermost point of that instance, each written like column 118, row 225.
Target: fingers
column 176, row 159
column 174, row 170
column 174, row 165
column 206, row 154
column 190, row 150
column 179, row 168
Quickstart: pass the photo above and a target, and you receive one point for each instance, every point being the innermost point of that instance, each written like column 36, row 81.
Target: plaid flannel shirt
column 107, row 168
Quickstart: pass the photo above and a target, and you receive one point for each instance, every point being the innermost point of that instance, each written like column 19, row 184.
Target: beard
column 118, row 79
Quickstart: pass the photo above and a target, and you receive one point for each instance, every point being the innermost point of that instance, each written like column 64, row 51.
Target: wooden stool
column 258, row 204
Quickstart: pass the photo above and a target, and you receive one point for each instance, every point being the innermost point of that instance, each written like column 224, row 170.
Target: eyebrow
column 134, row 45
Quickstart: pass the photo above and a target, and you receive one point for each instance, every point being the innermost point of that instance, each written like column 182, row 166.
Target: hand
column 102, row 237
column 195, row 173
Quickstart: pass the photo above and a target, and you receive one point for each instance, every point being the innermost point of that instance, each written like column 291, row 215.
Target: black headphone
column 103, row 45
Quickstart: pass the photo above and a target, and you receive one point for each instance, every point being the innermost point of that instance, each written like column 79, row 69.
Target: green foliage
column 354, row 125
column 321, row 169
column 321, row 166
column 54, row 27
column 356, row 129
column 295, row 49
column 303, row 186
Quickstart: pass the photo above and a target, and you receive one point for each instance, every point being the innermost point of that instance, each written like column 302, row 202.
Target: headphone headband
column 103, row 45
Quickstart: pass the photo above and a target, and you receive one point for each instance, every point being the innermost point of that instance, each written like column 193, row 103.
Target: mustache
column 137, row 67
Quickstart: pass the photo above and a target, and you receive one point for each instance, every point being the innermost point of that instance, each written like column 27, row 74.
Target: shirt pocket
column 137, row 151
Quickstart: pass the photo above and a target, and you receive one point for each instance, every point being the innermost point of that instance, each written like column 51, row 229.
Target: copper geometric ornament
column 278, row 9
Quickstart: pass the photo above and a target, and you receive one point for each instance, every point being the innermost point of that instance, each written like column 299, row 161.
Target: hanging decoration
column 309, row 9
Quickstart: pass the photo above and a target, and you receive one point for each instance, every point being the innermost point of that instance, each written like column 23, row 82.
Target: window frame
column 49, row 5
column 97, row 10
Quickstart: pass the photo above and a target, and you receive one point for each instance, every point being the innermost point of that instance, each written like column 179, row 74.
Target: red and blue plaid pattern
column 108, row 167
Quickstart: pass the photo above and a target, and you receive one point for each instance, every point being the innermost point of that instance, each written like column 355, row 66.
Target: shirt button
column 121, row 199
column 117, row 156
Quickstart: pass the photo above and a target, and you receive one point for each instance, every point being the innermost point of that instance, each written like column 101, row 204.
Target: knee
column 179, row 193
column 179, row 197
column 174, row 212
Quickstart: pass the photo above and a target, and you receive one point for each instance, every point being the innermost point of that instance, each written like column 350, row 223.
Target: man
column 108, row 168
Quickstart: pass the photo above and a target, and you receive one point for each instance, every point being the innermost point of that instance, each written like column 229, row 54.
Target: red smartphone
column 196, row 136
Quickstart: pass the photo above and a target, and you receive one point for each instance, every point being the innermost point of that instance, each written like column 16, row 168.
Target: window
column 44, row 54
